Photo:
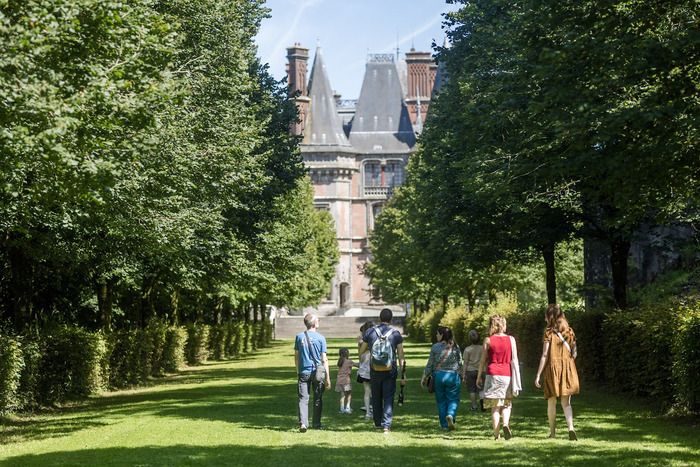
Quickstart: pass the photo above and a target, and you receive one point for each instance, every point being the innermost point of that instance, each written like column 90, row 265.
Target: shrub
column 11, row 365
column 196, row 351
column 217, row 341
column 131, row 358
column 156, row 331
column 686, row 365
column 174, row 349
column 71, row 366
column 29, row 380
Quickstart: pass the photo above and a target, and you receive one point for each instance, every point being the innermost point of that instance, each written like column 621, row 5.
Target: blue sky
column 347, row 30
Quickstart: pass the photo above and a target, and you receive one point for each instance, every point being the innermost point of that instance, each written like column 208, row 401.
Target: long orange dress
column 560, row 375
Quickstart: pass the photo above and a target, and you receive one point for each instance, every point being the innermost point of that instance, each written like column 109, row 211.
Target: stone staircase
column 286, row 327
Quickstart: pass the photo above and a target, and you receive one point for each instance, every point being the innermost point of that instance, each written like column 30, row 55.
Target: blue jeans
column 383, row 385
column 308, row 385
column 447, row 389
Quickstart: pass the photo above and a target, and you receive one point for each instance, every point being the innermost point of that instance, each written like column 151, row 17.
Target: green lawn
column 243, row 412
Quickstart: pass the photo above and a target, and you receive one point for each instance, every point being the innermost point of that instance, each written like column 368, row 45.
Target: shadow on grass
column 378, row 452
column 263, row 397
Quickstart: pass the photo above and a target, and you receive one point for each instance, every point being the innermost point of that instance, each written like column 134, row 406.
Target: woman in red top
column 499, row 360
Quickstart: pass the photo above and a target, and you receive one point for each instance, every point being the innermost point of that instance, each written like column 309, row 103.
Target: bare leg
column 568, row 412
column 552, row 415
column 348, row 399
column 342, row 401
column 496, row 420
column 368, row 395
column 506, row 415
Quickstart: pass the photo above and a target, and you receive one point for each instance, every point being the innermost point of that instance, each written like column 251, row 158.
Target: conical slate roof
column 382, row 123
column 323, row 125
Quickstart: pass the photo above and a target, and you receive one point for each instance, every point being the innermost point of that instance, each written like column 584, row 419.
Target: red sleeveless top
column 499, row 356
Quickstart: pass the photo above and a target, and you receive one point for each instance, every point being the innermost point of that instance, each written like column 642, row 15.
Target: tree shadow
column 379, row 451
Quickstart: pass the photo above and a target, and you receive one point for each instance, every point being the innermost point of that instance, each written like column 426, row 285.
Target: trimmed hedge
column 644, row 351
column 11, row 365
column 70, row 363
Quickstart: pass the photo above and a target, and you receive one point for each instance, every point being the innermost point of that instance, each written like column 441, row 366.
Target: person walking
column 472, row 359
column 311, row 362
column 445, row 367
column 499, row 360
column 364, row 370
column 558, row 362
column 385, row 344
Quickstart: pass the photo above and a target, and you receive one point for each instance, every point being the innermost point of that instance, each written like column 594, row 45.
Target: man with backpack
column 312, row 368
column 386, row 350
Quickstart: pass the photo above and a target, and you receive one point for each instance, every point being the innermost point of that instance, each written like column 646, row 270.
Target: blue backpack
column 382, row 351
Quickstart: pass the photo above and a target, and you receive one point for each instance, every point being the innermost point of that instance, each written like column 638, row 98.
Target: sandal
column 507, row 434
column 572, row 436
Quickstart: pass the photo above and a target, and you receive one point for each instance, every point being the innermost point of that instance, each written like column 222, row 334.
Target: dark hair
column 385, row 315
column 474, row 336
column 446, row 333
column 344, row 354
column 366, row 326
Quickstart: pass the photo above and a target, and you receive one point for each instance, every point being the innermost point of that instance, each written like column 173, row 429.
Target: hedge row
column 647, row 352
column 70, row 363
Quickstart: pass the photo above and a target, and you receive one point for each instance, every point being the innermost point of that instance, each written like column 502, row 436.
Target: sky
column 347, row 30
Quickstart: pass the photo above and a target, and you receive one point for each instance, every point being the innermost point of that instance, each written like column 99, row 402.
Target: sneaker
column 363, row 408
column 450, row 422
column 341, row 411
column 348, row 410
column 368, row 416
column 507, row 434
column 387, row 431
column 572, row 435
column 302, row 429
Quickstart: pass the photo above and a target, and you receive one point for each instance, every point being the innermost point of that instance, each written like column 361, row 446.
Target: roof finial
column 397, row 46
column 318, row 43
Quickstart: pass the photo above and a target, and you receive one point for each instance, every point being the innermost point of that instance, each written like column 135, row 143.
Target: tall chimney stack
column 421, row 70
column 297, row 58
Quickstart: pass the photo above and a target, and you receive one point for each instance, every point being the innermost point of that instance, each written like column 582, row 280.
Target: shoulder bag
column 431, row 380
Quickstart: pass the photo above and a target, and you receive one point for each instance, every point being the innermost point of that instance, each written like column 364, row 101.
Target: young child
column 472, row 358
column 343, row 384
column 363, row 372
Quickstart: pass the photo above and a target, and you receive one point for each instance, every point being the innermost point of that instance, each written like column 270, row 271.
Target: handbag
column 430, row 382
column 320, row 371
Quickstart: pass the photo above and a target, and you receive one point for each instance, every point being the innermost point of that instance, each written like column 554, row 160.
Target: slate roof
column 324, row 127
column 381, row 123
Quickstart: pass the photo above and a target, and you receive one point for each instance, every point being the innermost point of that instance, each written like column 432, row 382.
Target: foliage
column 196, row 351
column 11, row 365
column 686, row 362
column 71, row 365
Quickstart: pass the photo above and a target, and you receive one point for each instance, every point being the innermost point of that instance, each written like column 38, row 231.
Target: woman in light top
column 472, row 358
column 445, row 366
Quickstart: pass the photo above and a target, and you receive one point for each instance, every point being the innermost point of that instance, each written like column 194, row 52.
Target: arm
column 543, row 360
column 324, row 361
column 465, row 358
column 428, row 367
column 363, row 348
column 482, row 363
column 296, row 360
column 402, row 362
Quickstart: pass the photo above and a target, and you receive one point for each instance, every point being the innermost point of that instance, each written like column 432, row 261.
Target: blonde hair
column 497, row 325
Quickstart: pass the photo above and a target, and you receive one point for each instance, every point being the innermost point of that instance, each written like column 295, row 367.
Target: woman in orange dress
column 558, row 363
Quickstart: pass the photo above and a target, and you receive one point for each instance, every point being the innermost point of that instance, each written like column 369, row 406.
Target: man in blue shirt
column 309, row 354
column 382, row 379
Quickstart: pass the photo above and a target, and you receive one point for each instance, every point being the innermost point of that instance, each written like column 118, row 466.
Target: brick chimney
column 421, row 70
column 297, row 58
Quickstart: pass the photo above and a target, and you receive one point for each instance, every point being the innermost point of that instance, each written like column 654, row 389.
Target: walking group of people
column 490, row 371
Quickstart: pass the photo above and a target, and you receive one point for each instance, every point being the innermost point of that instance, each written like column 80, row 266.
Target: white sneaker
column 348, row 410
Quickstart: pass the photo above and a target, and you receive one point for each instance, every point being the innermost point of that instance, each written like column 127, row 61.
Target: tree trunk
column 445, row 299
column 620, row 249
column 551, row 278
column 104, row 303
column 175, row 306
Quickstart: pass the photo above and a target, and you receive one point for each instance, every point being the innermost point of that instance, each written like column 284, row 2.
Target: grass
column 243, row 412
